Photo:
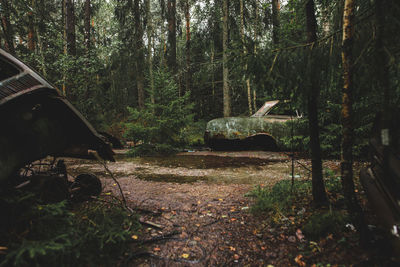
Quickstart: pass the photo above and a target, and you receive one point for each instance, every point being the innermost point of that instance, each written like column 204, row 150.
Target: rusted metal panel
column 37, row 121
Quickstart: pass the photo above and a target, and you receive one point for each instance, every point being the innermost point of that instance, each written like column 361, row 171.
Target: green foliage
column 38, row 234
column 321, row 224
column 280, row 197
column 164, row 121
column 152, row 150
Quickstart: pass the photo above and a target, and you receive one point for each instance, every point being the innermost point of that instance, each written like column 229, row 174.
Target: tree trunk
column 171, row 48
column 225, row 70
column 163, row 46
column 188, row 77
column 346, row 164
column 6, row 26
column 87, row 20
column 244, row 53
column 70, row 27
column 318, row 186
column 275, row 21
column 31, row 29
column 149, row 49
column 139, row 53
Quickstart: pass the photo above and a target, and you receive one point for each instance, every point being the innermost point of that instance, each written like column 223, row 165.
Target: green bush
column 280, row 197
column 37, row 234
column 152, row 150
column 164, row 121
column 321, row 224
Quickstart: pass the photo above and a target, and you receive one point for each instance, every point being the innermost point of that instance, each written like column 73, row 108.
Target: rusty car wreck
column 260, row 131
column 381, row 179
column 38, row 121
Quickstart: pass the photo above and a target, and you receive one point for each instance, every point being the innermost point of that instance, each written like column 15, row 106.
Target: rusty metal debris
column 37, row 121
column 260, row 131
column 381, row 179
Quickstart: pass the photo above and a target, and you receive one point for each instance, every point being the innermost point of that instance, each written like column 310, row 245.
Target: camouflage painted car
column 263, row 130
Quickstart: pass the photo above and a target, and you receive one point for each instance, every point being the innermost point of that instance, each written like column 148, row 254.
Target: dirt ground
column 195, row 212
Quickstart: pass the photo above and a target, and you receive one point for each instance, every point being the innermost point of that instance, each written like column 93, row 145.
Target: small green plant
column 39, row 234
column 280, row 197
column 152, row 150
column 164, row 121
column 321, row 224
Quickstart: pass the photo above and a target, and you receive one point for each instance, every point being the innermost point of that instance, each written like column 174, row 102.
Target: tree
column 70, row 27
column 6, row 26
column 87, row 19
column 139, row 53
column 149, row 49
column 346, row 163
column 188, row 78
column 225, row 71
column 275, row 22
column 31, row 28
column 171, row 48
column 244, row 52
column 318, row 186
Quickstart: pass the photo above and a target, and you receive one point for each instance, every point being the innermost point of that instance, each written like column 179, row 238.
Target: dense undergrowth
column 284, row 200
column 34, row 233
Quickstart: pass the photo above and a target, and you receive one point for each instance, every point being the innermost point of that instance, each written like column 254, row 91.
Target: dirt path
column 200, row 197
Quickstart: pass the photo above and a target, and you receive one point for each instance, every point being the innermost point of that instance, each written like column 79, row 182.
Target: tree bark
column 6, row 26
column 139, row 54
column 244, row 53
column 70, row 27
column 149, row 49
column 188, row 78
column 225, row 70
column 275, row 21
column 346, row 164
column 87, row 27
column 318, row 186
column 171, row 48
column 31, row 29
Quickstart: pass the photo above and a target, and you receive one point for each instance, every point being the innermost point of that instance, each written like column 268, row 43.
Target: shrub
column 38, row 234
column 321, row 224
column 164, row 121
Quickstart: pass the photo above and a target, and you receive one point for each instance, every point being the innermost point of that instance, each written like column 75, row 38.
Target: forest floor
column 201, row 216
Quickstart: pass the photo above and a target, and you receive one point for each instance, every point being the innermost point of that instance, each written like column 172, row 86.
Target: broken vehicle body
column 262, row 130
column 38, row 121
column 381, row 179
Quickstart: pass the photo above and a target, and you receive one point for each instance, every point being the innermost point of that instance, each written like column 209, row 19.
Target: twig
column 102, row 162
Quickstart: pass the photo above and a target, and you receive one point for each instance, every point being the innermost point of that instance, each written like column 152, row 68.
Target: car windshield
column 283, row 108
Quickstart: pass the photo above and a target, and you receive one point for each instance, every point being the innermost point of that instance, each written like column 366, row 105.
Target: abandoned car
column 381, row 179
column 38, row 121
column 263, row 130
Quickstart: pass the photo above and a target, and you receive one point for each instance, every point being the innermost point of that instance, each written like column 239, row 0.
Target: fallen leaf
column 185, row 255
column 299, row 261
column 220, row 199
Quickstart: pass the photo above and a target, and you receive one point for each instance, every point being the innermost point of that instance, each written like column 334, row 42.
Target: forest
column 152, row 73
